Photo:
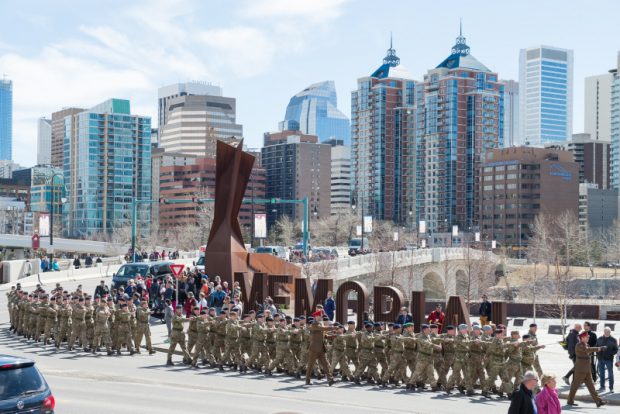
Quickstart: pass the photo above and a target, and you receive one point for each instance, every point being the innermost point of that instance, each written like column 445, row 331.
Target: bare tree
column 335, row 230
column 285, row 232
column 478, row 274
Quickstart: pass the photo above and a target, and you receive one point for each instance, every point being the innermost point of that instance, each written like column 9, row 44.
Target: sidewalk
column 553, row 358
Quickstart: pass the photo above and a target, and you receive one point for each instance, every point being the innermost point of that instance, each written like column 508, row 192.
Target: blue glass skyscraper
column 107, row 163
column 314, row 111
column 6, row 119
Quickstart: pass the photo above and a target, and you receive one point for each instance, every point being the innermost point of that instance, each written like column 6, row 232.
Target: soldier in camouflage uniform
column 477, row 350
column 51, row 318
column 245, row 342
column 380, row 349
column 529, row 353
column 11, row 295
column 351, row 349
column 78, row 326
column 282, row 337
column 367, row 358
column 270, row 340
column 460, row 373
column 200, row 349
column 192, row 329
column 123, row 326
column 397, row 360
column 90, row 324
column 259, row 350
column 515, row 356
column 295, row 340
column 232, row 354
column 447, row 354
column 409, row 353
column 339, row 357
column 497, row 364
column 143, row 329
column 534, row 342
column 305, row 343
column 424, row 371
column 41, row 317
column 102, row 328
column 177, row 337
column 64, row 322
column 220, row 340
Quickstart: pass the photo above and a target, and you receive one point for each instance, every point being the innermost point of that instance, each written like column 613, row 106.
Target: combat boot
column 110, row 352
column 169, row 362
column 118, row 352
column 485, row 394
column 131, row 352
column 151, row 351
column 435, row 388
column 470, row 393
column 461, row 389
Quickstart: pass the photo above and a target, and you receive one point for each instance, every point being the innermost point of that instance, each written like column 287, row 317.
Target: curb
column 587, row 398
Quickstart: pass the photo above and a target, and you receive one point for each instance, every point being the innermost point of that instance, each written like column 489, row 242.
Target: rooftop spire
column 391, row 58
column 460, row 48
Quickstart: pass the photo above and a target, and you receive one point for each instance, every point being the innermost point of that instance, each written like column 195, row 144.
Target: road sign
column 177, row 269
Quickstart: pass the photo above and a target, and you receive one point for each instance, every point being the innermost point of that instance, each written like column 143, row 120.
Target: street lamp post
column 62, row 200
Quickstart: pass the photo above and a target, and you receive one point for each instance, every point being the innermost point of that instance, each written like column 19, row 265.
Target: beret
column 269, row 319
column 396, row 326
column 433, row 325
column 533, row 325
column 462, row 326
column 368, row 325
column 351, row 323
column 449, row 327
column 407, row 325
column 376, row 324
column 425, row 326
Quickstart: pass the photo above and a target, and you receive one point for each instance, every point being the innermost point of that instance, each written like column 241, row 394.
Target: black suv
column 22, row 388
column 128, row 271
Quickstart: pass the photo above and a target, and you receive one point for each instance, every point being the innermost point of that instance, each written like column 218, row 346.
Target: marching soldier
column 123, row 326
column 259, row 350
column 51, row 318
column 295, row 340
column 534, row 342
column 583, row 373
column 477, row 349
column 339, row 358
column 177, row 337
column 245, row 342
column 367, row 358
column 529, row 353
column 200, row 350
column 192, row 329
column 443, row 361
column 424, row 361
column 460, row 373
column 409, row 353
column 143, row 329
column 102, row 328
column 497, row 359
column 282, row 337
column 64, row 322
column 352, row 347
column 396, row 359
column 232, row 355
column 78, row 326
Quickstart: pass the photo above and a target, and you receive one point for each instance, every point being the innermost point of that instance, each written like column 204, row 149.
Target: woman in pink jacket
column 547, row 401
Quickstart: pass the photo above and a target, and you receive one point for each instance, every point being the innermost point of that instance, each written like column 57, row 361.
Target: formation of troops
column 74, row 320
column 464, row 358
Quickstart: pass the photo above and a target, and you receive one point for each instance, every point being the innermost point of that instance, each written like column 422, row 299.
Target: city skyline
column 64, row 56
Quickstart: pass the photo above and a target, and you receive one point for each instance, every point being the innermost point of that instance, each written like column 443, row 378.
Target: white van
column 279, row 251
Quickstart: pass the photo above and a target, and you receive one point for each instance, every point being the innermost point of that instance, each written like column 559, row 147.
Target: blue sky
column 78, row 53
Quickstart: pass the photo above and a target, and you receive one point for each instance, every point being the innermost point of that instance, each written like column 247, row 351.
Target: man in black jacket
column 606, row 358
column 102, row 289
column 485, row 311
column 591, row 343
column 571, row 341
column 522, row 400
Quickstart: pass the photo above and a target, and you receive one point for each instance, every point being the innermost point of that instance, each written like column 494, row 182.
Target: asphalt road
column 84, row 383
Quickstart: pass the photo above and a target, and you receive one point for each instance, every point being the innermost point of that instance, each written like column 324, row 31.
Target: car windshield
column 355, row 242
column 264, row 250
column 163, row 269
column 201, row 261
column 132, row 271
column 20, row 381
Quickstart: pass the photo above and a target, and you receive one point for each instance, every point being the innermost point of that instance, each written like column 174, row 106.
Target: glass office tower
column 6, row 119
column 314, row 111
column 546, row 95
column 107, row 163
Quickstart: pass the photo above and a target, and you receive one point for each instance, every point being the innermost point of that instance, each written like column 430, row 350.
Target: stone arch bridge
column 439, row 272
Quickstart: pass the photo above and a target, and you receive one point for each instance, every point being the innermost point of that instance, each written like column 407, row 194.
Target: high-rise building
column 44, row 141
column 6, row 119
column 341, row 177
column 8, row 167
column 463, row 118
column 185, row 177
column 58, row 134
column 546, row 95
column 314, row 111
column 107, row 164
column 296, row 166
column 511, row 113
column 597, row 106
column 593, row 158
column 378, row 107
column 165, row 93
column 196, row 122
column 519, row 183
column 598, row 208
column 615, row 126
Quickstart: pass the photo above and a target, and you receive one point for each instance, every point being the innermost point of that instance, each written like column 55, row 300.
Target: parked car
column 323, row 253
column 358, row 245
column 278, row 251
column 128, row 271
column 22, row 387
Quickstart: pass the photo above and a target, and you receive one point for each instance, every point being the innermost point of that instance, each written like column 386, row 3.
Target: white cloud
column 245, row 51
column 315, row 11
